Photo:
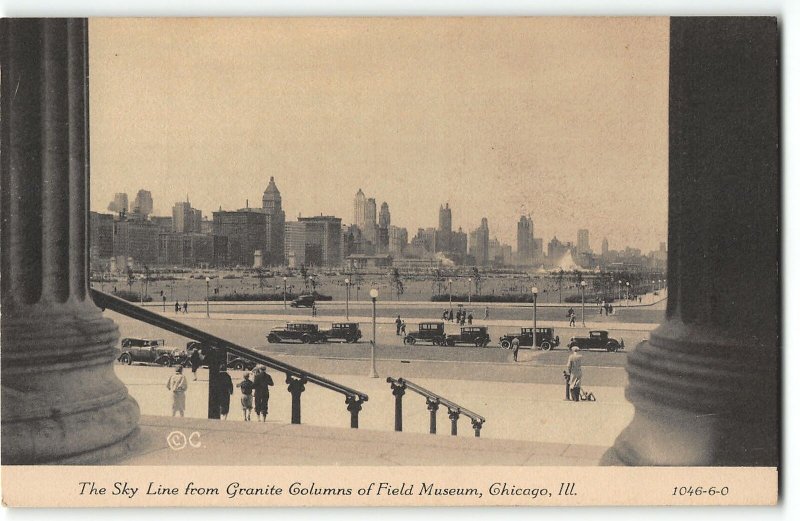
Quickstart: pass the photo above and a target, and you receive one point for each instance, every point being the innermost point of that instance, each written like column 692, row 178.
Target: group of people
column 462, row 316
column 178, row 307
column 607, row 307
column 254, row 392
column 571, row 317
column 400, row 325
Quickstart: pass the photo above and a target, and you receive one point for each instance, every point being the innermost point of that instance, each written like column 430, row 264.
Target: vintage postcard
column 390, row 261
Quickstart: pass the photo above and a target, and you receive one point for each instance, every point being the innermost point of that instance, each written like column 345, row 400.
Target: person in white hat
column 247, row 396
column 575, row 373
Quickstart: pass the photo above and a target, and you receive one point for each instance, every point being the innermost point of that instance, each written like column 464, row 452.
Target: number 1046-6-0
column 700, row 491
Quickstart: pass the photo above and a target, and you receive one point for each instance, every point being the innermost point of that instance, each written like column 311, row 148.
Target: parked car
column 473, row 335
column 233, row 361
column 432, row 332
column 546, row 339
column 303, row 301
column 345, row 331
column 298, row 331
column 152, row 351
column 596, row 340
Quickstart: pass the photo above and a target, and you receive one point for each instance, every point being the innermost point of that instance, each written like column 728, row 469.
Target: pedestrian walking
column 247, row 396
column 486, row 313
column 575, row 373
column 444, row 315
column 403, row 329
column 399, row 323
column 196, row 360
column 178, row 385
column 223, row 392
column 313, row 310
column 261, row 384
column 185, row 306
column 572, row 320
column 177, row 307
column 515, row 347
column 469, row 318
column 603, row 306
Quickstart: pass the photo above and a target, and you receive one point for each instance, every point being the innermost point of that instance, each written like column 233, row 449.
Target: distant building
column 445, row 229
column 187, row 250
column 361, row 261
column 398, row 241
column 136, row 239
column 164, row 223
column 479, row 243
column 604, row 249
column 458, row 242
column 143, row 204
column 360, row 209
column 294, row 244
column 120, row 203
column 323, row 240
column 101, row 238
column 186, row 219
column 384, row 221
column 246, row 232
column 583, row 242
column 271, row 205
column 525, row 243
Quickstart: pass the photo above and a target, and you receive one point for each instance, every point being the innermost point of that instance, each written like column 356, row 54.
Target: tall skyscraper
column 294, row 244
column 525, row 243
column 384, row 221
column 143, row 204
column 444, row 236
column 246, row 232
column 323, row 236
column 605, row 247
column 360, row 210
column 271, row 205
column 583, row 241
column 119, row 204
column 371, row 221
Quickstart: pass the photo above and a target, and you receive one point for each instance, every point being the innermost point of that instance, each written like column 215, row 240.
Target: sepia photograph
column 391, row 261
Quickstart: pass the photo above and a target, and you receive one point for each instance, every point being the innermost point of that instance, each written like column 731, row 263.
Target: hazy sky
column 562, row 118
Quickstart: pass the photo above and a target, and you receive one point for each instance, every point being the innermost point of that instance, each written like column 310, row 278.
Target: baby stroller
column 587, row 396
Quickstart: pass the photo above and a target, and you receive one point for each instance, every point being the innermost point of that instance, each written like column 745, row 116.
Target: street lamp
column 535, row 292
column 208, row 311
column 374, row 294
column 619, row 290
column 284, row 292
column 141, row 289
column 583, row 306
column 450, row 290
column 469, row 293
column 347, row 302
column 627, row 293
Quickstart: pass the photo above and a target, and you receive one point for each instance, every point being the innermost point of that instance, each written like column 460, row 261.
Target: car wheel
column 165, row 361
column 546, row 346
column 238, row 365
column 505, row 344
column 273, row 338
column 479, row 342
column 126, row 359
column 612, row 348
column 305, row 339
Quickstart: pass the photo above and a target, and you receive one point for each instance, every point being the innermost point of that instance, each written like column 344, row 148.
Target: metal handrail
column 295, row 376
column 433, row 400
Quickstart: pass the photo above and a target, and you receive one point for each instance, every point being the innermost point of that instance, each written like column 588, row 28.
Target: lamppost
column 347, row 301
column 619, row 290
column 469, row 292
column 535, row 292
column 450, row 290
column 208, row 310
column 583, row 305
column 141, row 289
column 627, row 293
column 284, row 292
column 374, row 294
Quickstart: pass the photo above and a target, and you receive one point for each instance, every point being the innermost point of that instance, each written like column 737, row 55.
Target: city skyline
column 565, row 121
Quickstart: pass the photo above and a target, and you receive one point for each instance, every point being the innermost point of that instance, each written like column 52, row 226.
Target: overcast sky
column 565, row 119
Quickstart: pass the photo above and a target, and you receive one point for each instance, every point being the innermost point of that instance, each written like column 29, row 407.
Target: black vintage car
column 146, row 350
column 345, row 331
column 232, row 362
column 597, row 340
column 298, row 332
column 303, row 301
column 546, row 339
column 473, row 335
column 432, row 332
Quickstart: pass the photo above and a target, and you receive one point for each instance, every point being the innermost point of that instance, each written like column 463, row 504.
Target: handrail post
column 296, row 387
column 453, row 414
column 433, row 406
column 398, row 390
column 354, row 406
column 477, row 424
